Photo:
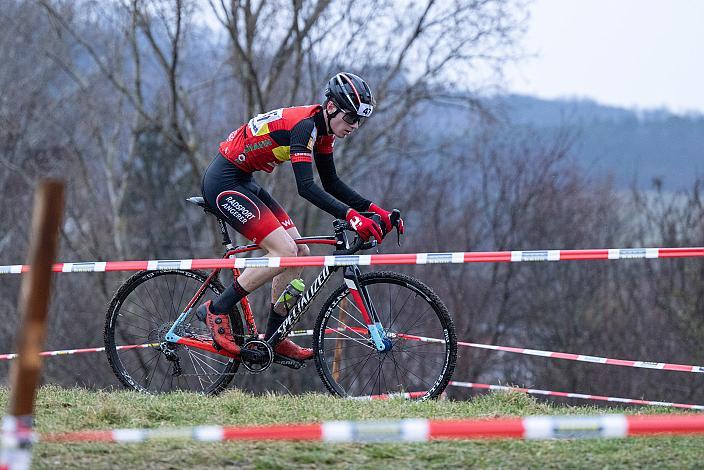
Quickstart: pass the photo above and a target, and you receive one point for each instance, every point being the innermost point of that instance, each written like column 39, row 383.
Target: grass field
column 61, row 409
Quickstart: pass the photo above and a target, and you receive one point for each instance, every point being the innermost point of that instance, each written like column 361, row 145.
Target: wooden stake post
column 25, row 372
column 339, row 344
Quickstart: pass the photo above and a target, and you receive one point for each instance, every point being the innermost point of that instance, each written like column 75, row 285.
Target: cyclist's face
column 339, row 125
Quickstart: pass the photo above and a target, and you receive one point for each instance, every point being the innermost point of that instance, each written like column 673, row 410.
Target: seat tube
column 365, row 306
column 246, row 308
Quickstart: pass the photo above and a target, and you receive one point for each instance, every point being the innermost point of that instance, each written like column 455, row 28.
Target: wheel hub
column 388, row 345
column 158, row 335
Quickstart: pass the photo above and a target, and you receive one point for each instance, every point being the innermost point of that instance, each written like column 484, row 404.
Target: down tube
column 302, row 305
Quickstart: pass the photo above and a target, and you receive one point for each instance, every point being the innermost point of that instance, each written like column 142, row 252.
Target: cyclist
column 301, row 134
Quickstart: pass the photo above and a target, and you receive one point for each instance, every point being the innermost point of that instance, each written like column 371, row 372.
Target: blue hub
column 387, row 344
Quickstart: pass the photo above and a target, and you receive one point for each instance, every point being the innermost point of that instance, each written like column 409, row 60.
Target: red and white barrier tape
column 412, row 430
column 16, row 442
column 366, row 260
column 533, row 391
column 526, row 351
column 570, row 356
column 66, row 352
column 389, row 396
column 411, row 395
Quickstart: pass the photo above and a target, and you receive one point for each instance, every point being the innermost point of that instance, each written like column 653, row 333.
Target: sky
column 630, row 53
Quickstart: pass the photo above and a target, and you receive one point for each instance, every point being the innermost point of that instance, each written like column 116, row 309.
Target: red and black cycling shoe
column 288, row 348
column 219, row 326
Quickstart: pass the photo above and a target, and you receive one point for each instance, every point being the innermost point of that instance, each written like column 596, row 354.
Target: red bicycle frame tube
column 360, row 304
column 203, row 345
column 324, row 240
column 246, row 308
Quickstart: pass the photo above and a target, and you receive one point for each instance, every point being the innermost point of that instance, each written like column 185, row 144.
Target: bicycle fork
column 364, row 304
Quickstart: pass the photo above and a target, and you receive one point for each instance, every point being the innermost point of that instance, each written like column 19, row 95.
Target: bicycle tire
column 145, row 369
column 411, row 365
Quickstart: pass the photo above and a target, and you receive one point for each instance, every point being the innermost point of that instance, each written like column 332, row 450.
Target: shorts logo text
column 237, row 210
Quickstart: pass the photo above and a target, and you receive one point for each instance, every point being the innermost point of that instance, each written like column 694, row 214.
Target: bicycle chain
column 189, row 330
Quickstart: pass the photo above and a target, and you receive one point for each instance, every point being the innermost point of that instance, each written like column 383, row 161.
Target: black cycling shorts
column 245, row 205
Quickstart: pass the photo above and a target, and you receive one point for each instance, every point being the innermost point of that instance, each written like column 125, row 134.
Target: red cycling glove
column 385, row 217
column 365, row 227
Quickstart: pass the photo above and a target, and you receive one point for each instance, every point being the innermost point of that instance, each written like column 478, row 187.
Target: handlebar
column 357, row 245
column 360, row 245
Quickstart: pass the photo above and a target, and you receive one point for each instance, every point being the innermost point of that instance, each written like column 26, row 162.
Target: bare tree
column 410, row 52
column 139, row 95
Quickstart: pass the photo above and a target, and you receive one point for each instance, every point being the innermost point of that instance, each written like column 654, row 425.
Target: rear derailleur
column 169, row 351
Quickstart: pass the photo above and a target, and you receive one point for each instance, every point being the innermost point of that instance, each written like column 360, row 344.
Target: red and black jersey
column 296, row 134
column 272, row 138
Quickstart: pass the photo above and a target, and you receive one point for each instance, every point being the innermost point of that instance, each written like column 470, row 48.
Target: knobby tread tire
column 123, row 292
column 378, row 277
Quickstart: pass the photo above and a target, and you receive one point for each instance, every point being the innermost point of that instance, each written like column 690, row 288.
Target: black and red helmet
column 350, row 93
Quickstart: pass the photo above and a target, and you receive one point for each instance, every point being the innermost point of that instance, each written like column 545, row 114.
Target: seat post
column 225, row 234
column 200, row 202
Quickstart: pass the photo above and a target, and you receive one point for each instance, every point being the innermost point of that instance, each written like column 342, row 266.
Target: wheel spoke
column 144, row 310
column 359, row 322
column 361, row 343
column 361, row 369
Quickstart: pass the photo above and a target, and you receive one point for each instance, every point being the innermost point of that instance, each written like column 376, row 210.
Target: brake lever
column 395, row 217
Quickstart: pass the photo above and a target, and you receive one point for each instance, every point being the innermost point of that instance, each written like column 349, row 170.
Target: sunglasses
column 353, row 118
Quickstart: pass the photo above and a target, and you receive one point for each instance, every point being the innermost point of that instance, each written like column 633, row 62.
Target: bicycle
column 379, row 333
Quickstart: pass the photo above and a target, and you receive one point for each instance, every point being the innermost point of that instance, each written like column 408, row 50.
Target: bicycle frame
column 351, row 277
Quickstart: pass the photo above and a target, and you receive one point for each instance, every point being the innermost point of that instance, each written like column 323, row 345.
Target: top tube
column 320, row 240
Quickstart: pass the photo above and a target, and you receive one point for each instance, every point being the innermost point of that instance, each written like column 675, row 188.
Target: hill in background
column 633, row 146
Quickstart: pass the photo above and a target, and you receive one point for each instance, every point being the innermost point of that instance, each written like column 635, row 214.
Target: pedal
column 287, row 361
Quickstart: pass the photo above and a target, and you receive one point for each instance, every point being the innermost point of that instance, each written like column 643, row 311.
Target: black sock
column 274, row 322
column 226, row 301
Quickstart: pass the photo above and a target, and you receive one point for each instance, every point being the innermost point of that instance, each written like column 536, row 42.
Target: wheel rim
column 353, row 366
column 143, row 317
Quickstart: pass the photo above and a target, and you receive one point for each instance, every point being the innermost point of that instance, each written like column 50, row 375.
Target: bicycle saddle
column 199, row 201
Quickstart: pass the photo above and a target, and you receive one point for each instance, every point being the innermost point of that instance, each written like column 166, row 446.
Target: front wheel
column 423, row 349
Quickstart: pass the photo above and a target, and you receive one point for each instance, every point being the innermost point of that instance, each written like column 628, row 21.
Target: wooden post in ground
column 339, row 343
column 25, row 372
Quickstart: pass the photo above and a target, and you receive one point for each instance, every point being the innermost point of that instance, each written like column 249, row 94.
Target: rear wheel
column 138, row 318
column 423, row 349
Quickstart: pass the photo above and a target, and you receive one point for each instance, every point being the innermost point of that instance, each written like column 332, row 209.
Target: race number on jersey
column 259, row 124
